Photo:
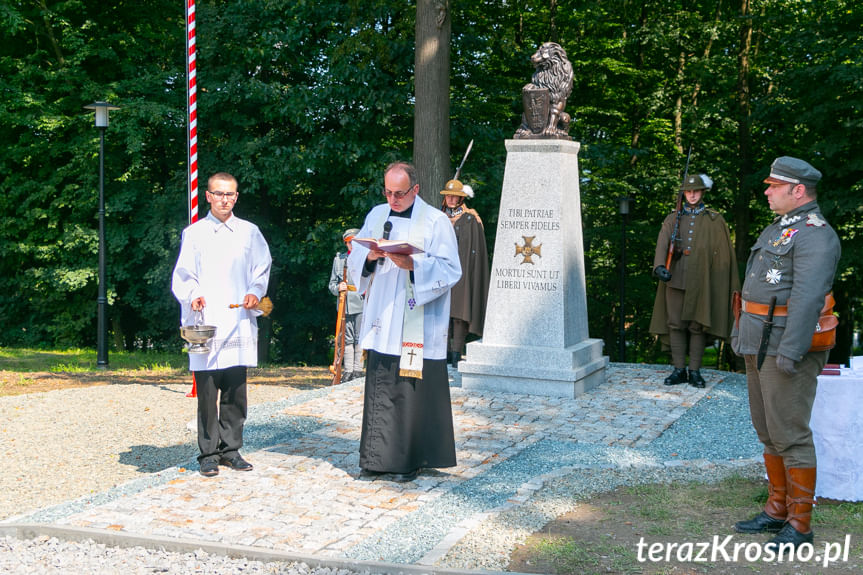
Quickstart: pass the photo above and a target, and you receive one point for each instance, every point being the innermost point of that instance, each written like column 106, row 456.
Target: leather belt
column 762, row 308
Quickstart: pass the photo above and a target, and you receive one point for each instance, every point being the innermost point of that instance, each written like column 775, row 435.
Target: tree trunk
column 636, row 112
column 744, row 135
column 678, row 104
column 431, row 94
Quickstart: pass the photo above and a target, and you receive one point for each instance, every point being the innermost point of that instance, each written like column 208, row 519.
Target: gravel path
column 65, row 444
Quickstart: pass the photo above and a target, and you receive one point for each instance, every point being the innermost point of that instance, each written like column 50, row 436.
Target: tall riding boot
column 800, row 499
column 772, row 518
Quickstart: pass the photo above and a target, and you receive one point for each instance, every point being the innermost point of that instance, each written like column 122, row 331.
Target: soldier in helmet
column 693, row 299
column 795, row 258
column 467, row 307
column 341, row 281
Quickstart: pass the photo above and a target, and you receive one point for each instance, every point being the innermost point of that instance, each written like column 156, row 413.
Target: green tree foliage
column 306, row 101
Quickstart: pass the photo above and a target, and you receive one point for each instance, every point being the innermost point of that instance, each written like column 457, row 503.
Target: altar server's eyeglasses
column 227, row 195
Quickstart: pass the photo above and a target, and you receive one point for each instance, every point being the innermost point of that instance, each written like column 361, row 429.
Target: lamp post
column 624, row 203
column 101, row 109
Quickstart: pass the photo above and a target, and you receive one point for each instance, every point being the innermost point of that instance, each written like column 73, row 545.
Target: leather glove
column 785, row 364
column 662, row 273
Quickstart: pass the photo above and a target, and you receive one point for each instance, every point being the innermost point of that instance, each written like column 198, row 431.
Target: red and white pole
column 192, row 104
column 192, row 128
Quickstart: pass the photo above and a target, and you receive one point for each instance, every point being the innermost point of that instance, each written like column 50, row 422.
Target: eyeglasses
column 397, row 195
column 226, row 195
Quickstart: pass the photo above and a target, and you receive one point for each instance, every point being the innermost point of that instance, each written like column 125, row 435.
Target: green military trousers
column 781, row 405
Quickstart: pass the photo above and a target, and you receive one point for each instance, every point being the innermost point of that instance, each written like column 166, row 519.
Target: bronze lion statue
column 545, row 97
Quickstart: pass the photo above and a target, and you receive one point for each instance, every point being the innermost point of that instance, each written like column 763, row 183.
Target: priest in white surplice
column 407, row 417
column 223, row 261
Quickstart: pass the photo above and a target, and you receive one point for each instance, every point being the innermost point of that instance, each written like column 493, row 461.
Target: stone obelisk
column 535, row 338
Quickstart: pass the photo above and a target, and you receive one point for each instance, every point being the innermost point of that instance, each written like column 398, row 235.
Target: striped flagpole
column 192, row 129
column 192, row 102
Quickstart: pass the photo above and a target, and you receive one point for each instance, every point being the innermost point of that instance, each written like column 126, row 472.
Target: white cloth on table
column 837, row 429
column 223, row 261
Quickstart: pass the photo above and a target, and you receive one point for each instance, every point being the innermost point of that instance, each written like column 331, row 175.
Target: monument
column 535, row 339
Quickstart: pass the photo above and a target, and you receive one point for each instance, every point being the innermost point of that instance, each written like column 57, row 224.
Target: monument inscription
column 536, row 336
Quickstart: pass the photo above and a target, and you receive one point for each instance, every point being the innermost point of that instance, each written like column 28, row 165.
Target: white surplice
column 223, row 261
column 435, row 272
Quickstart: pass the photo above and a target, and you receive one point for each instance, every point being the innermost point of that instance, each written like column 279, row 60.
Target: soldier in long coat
column 693, row 299
column 469, row 295
column 794, row 260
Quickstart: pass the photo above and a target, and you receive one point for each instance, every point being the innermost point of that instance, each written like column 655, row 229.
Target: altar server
column 223, row 260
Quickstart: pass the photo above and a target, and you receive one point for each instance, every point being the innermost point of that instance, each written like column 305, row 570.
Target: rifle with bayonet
column 466, row 152
column 339, row 353
column 679, row 207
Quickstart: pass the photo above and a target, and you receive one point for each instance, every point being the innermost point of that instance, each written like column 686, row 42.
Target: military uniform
column 469, row 295
column 794, row 260
column 353, row 355
column 693, row 302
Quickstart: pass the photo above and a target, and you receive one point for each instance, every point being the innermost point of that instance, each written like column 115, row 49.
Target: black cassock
column 407, row 422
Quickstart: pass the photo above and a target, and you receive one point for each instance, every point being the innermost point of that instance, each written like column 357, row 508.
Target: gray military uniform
column 353, row 356
column 794, row 259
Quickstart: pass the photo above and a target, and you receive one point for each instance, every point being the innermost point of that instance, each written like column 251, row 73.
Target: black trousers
column 222, row 410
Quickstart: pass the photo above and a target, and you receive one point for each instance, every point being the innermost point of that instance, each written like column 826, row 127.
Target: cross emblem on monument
column 528, row 249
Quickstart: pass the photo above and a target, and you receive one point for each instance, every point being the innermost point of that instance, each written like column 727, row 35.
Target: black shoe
column 346, row 376
column 236, row 463
column 789, row 535
column 677, row 376
column 405, row 477
column 456, row 357
column 695, row 379
column 761, row 523
column 371, row 473
column 209, row 468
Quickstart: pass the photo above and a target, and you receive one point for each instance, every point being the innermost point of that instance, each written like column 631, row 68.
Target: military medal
column 773, row 276
column 786, row 221
column 815, row 220
column 785, row 237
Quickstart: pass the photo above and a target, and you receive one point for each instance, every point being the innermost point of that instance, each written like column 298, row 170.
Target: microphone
column 388, row 225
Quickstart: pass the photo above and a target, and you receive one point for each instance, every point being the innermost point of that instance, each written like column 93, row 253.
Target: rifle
column 466, row 152
column 679, row 207
column 339, row 354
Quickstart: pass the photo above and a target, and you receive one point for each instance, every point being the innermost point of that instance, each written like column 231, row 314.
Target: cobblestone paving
column 305, row 494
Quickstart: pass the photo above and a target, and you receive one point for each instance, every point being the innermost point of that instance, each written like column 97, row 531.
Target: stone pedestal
column 535, row 337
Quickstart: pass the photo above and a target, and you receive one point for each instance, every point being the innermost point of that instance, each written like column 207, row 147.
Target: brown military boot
column 801, row 498
column 772, row 518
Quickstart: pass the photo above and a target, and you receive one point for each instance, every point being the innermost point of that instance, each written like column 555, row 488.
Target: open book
column 390, row 246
